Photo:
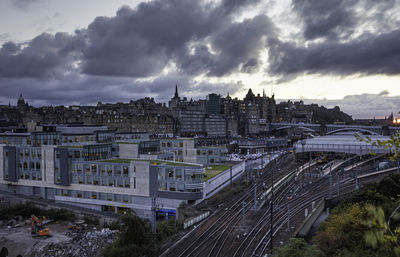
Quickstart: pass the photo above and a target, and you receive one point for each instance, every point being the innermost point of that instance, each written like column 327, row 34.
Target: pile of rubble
column 83, row 244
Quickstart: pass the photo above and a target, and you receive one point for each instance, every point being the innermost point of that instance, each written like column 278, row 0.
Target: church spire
column 176, row 91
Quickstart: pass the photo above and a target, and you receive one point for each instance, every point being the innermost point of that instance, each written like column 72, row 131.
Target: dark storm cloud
column 39, row 57
column 325, row 18
column 235, row 48
column 141, row 42
column 339, row 18
column 369, row 54
column 108, row 60
column 86, row 89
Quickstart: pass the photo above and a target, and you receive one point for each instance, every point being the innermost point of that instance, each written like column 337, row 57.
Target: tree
column 297, row 247
column 135, row 239
column 379, row 233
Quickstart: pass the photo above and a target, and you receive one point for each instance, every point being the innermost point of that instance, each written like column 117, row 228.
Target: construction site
column 32, row 229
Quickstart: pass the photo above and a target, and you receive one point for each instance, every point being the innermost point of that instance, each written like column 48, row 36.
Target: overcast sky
column 332, row 52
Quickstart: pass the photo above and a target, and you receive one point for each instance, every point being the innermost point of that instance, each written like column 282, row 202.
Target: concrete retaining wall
column 306, row 226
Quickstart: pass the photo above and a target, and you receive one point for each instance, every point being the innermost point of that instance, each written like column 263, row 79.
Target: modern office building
column 102, row 176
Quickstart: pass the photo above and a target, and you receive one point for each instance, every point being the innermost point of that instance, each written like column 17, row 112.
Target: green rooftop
column 214, row 170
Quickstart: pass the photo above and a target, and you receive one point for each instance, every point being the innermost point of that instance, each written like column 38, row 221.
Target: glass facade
column 180, row 178
column 105, row 136
column 100, row 173
column 94, row 195
column 149, row 146
column 45, row 138
column 29, row 163
column 97, row 152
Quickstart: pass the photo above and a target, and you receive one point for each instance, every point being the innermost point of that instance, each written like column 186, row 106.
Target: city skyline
column 343, row 53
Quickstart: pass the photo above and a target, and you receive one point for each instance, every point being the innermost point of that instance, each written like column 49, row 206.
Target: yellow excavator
column 37, row 227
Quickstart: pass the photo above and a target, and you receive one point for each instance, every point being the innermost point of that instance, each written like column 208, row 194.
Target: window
column 120, row 182
column 178, row 174
column 126, row 170
column 109, row 170
column 125, row 198
column 94, row 195
column 109, row 197
column 134, row 183
column 102, row 196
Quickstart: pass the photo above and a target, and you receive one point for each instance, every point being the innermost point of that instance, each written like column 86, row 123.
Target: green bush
column 165, row 229
column 135, row 239
column 25, row 210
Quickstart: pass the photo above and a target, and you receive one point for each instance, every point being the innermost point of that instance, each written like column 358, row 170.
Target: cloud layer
column 146, row 50
column 364, row 105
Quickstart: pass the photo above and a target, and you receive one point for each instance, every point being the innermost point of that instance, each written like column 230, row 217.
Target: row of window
column 29, row 165
column 104, row 181
column 77, row 139
column 30, row 175
column 94, row 195
column 169, row 144
column 104, row 170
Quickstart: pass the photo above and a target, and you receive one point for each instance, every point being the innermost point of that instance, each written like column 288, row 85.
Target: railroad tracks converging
column 225, row 233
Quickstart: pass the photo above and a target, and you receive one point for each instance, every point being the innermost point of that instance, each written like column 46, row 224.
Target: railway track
column 209, row 239
column 218, row 237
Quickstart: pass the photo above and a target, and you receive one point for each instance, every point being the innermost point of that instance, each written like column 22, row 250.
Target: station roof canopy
column 342, row 143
